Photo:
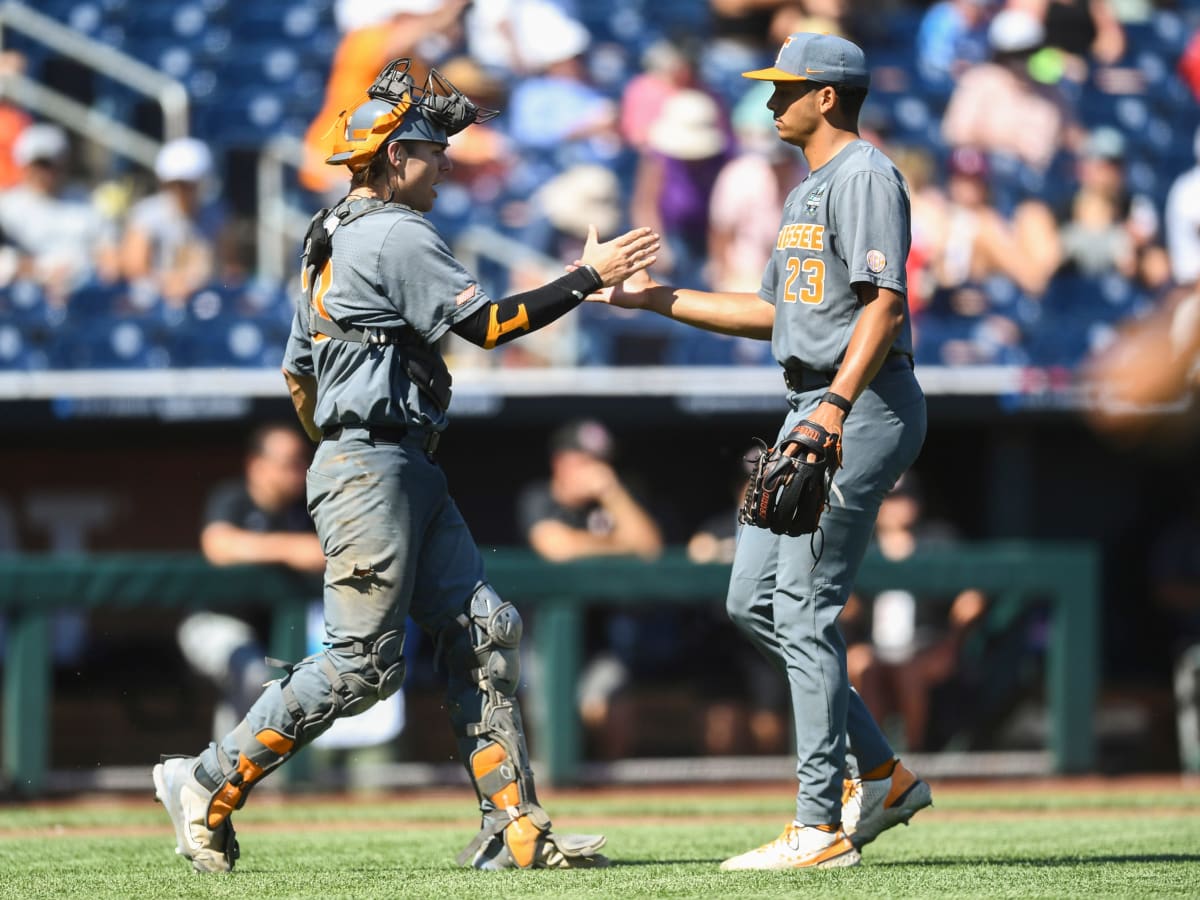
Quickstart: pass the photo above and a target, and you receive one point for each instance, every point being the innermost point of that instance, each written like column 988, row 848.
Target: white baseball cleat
column 870, row 808
column 799, row 847
column 186, row 802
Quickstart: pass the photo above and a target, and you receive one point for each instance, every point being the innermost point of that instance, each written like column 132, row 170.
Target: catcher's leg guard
column 259, row 753
column 482, row 652
column 343, row 680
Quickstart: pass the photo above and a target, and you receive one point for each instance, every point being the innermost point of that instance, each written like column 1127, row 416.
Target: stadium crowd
column 1051, row 148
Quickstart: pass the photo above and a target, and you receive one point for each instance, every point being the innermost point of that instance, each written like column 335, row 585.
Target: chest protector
column 422, row 362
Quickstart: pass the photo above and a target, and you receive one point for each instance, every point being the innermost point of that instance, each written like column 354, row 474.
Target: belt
column 802, row 378
column 386, row 434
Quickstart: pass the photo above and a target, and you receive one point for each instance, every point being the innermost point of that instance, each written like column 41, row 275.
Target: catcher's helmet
column 397, row 110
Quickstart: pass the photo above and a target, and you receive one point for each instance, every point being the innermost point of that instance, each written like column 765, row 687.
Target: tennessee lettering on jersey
column 807, row 236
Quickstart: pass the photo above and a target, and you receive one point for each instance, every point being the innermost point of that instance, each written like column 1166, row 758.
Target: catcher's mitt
column 788, row 493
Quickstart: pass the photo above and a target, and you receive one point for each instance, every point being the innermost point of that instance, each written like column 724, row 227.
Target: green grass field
column 1082, row 839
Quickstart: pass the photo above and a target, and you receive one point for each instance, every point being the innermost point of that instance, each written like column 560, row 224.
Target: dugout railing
column 1064, row 576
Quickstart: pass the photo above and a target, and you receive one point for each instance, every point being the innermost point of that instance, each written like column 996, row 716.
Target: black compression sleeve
column 503, row 320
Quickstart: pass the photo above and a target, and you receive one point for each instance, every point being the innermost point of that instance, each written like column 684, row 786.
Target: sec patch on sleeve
column 876, row 261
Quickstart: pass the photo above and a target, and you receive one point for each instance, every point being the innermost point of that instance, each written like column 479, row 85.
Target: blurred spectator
column 974, row 242
column 585, row 510
column 1108, row 229
column 714, row 541
column 556, row 115
column 998, row 107
column 685, row 149
column 507, row 37
column 744, row 34
column 1189, row 64
column 172, row 239
column 748, row 195
column 1183, row 223
column 1083, row 29
column 13, row 120
column 900, row 648
column 582, row 196
column 928, row 204
column 482, row 154
column 667, row 68
column 52, row 234
column 374, row 32
column 968, row 247
column 952, row 37
column 1102, row 174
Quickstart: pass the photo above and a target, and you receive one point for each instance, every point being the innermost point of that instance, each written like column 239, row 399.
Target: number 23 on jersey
column 805, row 280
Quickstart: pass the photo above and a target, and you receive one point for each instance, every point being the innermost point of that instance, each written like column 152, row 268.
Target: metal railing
column 170, row 94
column 1063, row 575
column 281, row 224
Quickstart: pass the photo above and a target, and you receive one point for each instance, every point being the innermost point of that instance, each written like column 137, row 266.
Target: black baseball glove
column 787, row 492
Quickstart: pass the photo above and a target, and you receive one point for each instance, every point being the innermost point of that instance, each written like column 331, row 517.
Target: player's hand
column 621, row 257
column 829, row 417
column 633, row 293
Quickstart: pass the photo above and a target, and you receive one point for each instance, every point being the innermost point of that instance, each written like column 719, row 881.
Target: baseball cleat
column 546, row 850
column 799, row 847
column 870, row 808
column 186, row 802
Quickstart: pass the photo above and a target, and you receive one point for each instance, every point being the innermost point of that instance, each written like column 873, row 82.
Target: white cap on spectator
column 553, row 37
column 688, row 127
column 40, row 141
column 1015, row 30
column 583, row 195
column 1104, row 142
column 183, row 159
column 353, row 14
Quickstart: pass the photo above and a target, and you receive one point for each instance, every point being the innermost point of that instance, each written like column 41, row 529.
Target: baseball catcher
column 380, row 289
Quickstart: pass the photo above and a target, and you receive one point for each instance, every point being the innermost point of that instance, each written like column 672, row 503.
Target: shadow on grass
column 1041, row 860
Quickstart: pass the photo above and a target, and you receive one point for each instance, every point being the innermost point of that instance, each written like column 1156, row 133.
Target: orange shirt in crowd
column 12, row 123
column 360, row 56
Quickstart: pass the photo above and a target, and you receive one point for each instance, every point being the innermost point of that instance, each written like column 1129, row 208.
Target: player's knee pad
column 485, row 642
column 379, row 672
column 356, row 675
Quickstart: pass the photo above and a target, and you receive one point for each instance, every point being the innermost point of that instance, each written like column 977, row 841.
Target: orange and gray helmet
column 397, row 110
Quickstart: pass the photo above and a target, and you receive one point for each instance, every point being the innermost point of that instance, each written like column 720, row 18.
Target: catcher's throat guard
column 396, row 109
column 788, row 492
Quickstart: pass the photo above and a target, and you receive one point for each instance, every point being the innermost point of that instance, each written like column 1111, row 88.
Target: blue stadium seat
column 110, row 343
column 18, row 352
column 703, row 348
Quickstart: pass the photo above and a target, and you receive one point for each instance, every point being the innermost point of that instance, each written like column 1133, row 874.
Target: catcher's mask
column 397, row 110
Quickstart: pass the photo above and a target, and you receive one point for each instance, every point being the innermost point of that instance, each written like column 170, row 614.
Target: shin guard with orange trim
column 260, row 753
column 482, row 646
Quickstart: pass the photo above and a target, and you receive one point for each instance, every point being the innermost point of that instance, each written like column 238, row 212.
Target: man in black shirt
column 260, row 518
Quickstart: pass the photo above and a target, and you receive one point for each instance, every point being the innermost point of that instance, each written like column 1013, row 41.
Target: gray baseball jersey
column 389, row 269
column 847, row 223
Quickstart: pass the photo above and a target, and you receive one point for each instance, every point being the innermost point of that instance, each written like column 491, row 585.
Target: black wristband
column 837, row 400
column 599, row 282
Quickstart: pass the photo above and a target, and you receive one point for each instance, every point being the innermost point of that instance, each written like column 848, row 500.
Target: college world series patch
column 876, row 261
